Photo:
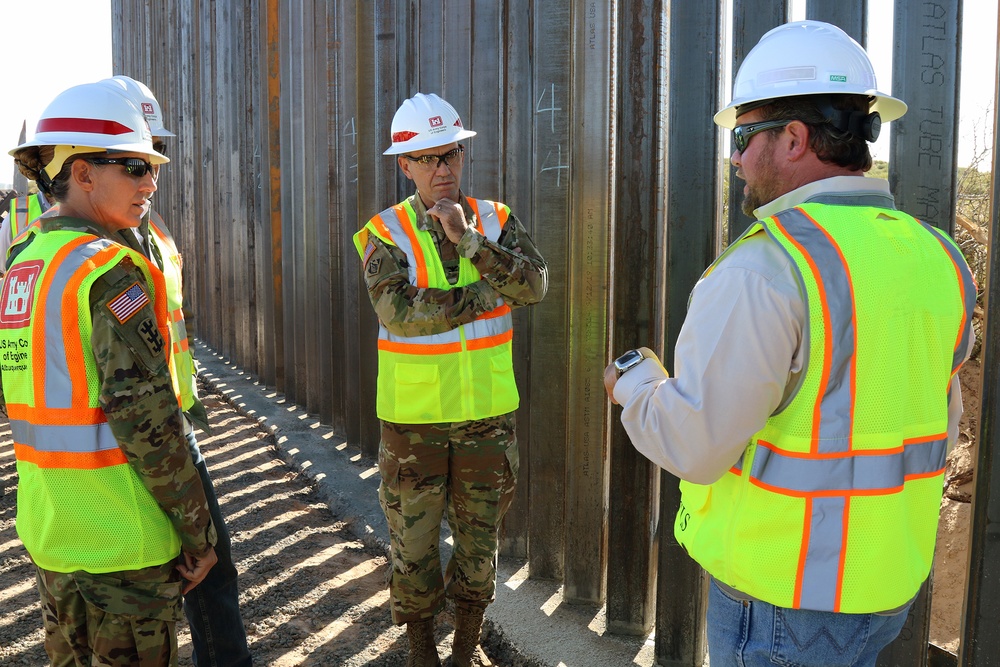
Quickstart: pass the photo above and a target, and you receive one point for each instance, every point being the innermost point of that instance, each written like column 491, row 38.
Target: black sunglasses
column 743, row 133
column 135, row 167
column 436, row 160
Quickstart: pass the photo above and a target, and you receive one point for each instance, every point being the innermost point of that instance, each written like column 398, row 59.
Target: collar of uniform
column 73, row 224
column 848, row 190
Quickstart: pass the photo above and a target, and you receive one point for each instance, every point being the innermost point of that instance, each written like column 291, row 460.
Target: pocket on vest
column 418, row 392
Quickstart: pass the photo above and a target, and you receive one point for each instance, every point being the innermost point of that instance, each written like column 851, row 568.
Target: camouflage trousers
column 113, row 619
column 466, row 471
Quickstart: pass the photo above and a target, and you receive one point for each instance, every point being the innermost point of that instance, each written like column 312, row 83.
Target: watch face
column 628, row 360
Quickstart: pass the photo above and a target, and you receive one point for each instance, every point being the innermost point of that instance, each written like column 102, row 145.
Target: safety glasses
column 743, row 133
column 135, row 167
column 434, row 161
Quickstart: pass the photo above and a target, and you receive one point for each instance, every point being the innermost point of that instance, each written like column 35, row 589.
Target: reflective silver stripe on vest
column 827, row 482
column 968, row 293
column 490, row 222
column 78, row 439
column 835, row 421
column 58, row 385
column 858, row 471
column 489, row 219
column 479, row 328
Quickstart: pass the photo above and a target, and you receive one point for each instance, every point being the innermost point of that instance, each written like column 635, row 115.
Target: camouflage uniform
column 127, row 618
column 465, row 469
column 139, row 608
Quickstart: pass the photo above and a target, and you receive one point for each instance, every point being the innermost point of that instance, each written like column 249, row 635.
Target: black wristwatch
column 630, row 359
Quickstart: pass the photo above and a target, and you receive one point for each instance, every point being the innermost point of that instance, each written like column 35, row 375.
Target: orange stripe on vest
column 74, row 460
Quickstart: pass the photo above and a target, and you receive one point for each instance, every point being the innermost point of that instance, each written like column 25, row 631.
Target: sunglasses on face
column 743, row 133
column 135, row 167
column 435, row 161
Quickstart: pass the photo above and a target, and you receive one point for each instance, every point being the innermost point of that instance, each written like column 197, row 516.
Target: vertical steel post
column 591, row 141
column 980, row 643
column 635, row 320
column 516, row 148
column 693, row 197
column 551, row 93
column 922, row 175
column 923, row 148
column 851, row 17
column 751, row 19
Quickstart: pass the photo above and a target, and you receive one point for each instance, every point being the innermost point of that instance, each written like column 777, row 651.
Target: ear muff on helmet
column 860, row 123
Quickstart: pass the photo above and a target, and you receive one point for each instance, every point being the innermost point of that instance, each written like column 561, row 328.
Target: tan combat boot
column 466, row 651
column 423, row 650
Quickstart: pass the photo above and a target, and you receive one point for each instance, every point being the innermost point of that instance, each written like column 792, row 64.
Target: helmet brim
column 154, row 156
column 432, row 141
column 888, row 107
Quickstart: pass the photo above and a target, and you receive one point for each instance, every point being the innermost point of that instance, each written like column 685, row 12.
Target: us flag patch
column 128, row 303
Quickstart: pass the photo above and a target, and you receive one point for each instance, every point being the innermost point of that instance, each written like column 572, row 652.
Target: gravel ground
column 311, row 592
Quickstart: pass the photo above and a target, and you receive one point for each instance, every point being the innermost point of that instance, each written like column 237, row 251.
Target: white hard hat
column 91, row 118
column 143, row 97
column 425, row 121
column 806, row 58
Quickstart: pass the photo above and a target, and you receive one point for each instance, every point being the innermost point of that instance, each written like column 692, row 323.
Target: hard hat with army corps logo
column 140, row 93
column 91, row 118
column 425, row 121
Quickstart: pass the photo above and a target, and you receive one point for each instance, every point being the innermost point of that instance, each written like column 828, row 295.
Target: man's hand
column 611, row 372
column 610, row 380
column 195, row 569
column 452, row 218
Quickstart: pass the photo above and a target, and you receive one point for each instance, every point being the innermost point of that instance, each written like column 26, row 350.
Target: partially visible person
column 110, row 506
column 443, row 272
column 815, row 393
column 212, row 608
column 23, row 209
column 7, row 202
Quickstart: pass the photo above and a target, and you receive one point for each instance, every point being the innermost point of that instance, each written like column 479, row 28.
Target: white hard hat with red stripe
column 806, row 58
column 91, row 118
column 425, row 121
column 143, row 97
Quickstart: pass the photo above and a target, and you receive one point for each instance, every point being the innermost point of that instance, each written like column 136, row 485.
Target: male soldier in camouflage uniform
column 93, row 611
column 443, row 271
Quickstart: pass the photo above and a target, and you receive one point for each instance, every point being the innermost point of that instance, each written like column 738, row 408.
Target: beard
column 766, row 187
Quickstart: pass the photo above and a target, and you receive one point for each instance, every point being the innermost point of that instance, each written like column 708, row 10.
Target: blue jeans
column 213, row 607
column 756, row 634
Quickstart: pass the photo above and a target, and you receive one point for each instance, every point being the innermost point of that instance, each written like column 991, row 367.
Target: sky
column 77, row 49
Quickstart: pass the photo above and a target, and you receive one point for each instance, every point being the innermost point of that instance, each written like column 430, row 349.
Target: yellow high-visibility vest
column 834, row 503
column 182, row 369
column 463, row 374
column 80, row 504
column 22, row 211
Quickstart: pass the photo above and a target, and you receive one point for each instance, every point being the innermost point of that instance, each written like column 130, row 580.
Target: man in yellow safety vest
column 815, row 393
column 443, row 271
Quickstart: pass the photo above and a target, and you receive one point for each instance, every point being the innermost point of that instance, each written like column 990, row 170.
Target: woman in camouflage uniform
column 110, row 507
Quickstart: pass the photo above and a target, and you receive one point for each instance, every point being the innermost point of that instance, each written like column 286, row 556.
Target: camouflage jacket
column 138, row 398
column 511, row 268
column 138, row 240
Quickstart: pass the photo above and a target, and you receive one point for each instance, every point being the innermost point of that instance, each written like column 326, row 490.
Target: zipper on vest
column 465, row 363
